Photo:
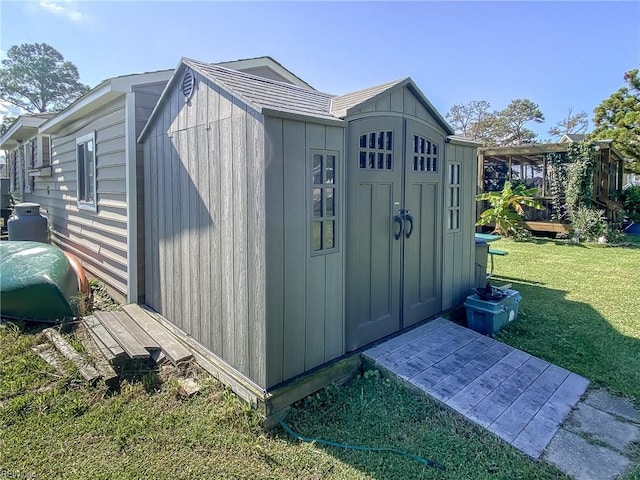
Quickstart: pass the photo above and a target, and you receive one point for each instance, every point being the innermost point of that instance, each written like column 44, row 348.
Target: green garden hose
column 424, row 461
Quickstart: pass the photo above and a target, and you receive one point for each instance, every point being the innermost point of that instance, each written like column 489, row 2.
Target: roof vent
column 188, row 84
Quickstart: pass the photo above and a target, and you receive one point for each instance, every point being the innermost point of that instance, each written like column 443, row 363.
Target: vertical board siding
column 207, row 167
column 459, row 247
column 305, row 310
column 274, row 231
column 98, row 239
column 295, row 247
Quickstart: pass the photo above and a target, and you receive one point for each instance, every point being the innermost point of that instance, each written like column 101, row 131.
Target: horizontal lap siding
column 204, row 223
column 99, row 238
column 305, row 304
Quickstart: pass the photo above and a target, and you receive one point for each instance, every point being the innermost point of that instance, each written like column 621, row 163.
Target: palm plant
column 507, row 208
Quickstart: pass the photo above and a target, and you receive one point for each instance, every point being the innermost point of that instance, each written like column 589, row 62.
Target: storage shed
column 286, row 227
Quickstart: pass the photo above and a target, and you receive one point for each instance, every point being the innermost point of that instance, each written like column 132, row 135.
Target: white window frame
column 454, row 189
column 85, row 204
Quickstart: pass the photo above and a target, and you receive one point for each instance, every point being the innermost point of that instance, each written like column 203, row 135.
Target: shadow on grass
column 575, row 336
column 379, row 413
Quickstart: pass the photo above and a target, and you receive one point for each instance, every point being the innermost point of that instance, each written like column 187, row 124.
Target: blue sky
column 560, row 55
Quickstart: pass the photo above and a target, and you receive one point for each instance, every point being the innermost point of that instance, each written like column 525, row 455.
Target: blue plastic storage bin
column 489, row 316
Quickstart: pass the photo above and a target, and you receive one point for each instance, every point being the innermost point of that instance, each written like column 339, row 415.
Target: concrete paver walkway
column 520, row 398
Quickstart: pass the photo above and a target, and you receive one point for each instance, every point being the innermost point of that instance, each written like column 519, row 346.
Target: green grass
column 579, row 309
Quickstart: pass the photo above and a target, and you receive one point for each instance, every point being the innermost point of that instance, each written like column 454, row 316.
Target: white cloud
column 63, row 9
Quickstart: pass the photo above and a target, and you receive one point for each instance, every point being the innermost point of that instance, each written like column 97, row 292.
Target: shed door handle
column 400, row 221
column 409, row 218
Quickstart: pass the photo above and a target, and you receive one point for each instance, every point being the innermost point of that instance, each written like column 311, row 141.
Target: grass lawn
column 579, row 309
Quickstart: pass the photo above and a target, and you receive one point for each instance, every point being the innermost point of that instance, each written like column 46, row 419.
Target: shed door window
column 376, row 150
column 86, row 164
column 323, row 202
column 453, row 200
column 425, row 155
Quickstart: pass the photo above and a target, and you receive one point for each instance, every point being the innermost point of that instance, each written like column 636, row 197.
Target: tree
column 473, row 120
column 509, row 126
column 37, row 78
column 618, row 118
column 6, row 123
column 572, row 124
column 507, row 208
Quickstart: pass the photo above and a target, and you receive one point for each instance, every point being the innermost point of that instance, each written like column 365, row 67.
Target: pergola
column 528, row 165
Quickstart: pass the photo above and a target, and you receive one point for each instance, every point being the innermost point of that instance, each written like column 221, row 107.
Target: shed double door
column 393, row 222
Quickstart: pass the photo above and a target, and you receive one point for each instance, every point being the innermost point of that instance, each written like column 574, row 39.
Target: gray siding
column 305, row 303
column 146, row 97
column 458, row 246
column 204, row 222
column 99, row 238
column 400, row 101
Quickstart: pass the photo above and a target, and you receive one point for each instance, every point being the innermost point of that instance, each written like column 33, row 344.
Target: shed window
column 425, row 155
column 376, row 150
column 86, row 165
column 453, row 197
column 323, row 202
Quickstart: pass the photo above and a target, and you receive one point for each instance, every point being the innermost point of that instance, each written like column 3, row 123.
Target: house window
column 324, row 204
column 453, row 200
column 376, row 150
column 86, row 164
column 425, row 155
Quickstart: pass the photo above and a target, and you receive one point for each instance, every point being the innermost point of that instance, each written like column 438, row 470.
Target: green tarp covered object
column 37, row 282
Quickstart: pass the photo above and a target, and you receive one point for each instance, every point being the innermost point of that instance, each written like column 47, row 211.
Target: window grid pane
column 323, row 193
column 425, row 156
column 375, row 148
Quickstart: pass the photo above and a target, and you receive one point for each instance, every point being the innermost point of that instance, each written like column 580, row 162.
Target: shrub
column 630, row 199
column 589, row 224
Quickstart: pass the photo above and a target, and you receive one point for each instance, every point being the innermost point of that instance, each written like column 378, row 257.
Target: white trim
column 132, row 197
column 83, row 204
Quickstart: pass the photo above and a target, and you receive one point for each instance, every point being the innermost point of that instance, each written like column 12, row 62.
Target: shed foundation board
column 514, row 395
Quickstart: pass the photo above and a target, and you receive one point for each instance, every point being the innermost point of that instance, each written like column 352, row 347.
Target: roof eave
column 302, row 117
column 23, row 127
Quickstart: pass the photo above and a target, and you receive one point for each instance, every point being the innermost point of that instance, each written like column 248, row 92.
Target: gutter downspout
column 132, row 197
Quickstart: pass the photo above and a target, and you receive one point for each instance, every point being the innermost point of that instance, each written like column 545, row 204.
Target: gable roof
column 264, row 93
column 250, row 65
column 273, row 97
column 99, row 96
column 23, row 128
column 572, row 137
column 345, row 105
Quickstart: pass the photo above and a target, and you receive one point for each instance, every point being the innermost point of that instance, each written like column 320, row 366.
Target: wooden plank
column 108, row 374
column 126, row 340
column 111, row 351
column 50, row 355
column 134, row 329
column 170, row 345
column 88, row 372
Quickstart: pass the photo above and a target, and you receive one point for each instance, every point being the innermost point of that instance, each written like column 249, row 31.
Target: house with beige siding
column 27, row 153
column 87, row 180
